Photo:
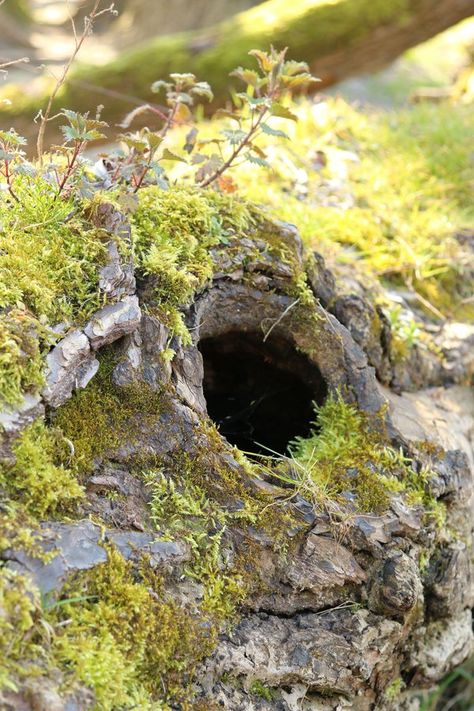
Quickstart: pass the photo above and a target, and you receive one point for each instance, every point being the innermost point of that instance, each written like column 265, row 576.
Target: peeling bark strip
column 335, row 605
column 337, row 39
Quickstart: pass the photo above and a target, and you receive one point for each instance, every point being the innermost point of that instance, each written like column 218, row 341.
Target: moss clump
column 126, row 639
column 49, row 259
column 347, row 459
column 102, row 416
column 19, row 605
column 21, row 360
column 344, row 458
column 38, row 479
column 181, row 508
column 58, row 279
column 258, row 688
column 173, row 231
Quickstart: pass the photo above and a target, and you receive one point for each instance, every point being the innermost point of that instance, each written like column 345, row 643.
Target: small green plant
column 11, row 159
column 345, row 461
column 139, row 161
column 394, row 689
column 78, row 133
column 258, row 688
column 262, row 100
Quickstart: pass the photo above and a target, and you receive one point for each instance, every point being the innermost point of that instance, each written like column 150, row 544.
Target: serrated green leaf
column 249, row 76
column 291, row 67
column 202, row 88
column 168, row 155
column 12, row 137
column 264, row 60
column 273, row 131
column 256, row 160
column 299, row 80
column 157, row 86
column 183, row 79
column 234, row 136
column 282, row 112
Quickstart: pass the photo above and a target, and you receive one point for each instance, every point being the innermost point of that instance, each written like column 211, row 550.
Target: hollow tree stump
column 362, row 603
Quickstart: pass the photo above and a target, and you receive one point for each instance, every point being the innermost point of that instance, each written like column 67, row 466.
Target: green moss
column 344, row 457
column 126, row 639
column 101, row 416
column 347, row 458
column 181, row 508
column 258, row 688
column 394, row 689
column 173, row 231
column 19, row 605
column 56, row 281
column 38, row 479
column 21, row 359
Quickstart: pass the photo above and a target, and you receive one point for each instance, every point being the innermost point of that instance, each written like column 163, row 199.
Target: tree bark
column 338, row 40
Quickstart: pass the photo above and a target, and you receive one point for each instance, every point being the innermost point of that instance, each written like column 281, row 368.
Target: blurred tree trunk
column 141, row 19
column 338, row 38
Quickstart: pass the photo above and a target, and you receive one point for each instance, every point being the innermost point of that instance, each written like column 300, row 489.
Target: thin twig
column 78, row 42
column 10, row 63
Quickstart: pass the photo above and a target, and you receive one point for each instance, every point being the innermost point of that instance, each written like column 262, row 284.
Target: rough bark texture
column 363, row 600
column 338, row 40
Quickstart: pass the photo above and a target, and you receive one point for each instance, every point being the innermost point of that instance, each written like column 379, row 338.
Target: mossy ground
column 388, row 194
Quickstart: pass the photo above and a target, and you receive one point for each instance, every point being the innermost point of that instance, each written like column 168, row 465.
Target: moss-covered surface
column 58, row 281
column 38, row 478
column 387, row 195
column 173, row 232
column 101, row 417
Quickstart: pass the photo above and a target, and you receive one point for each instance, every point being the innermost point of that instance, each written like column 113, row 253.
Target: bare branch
column 78, row 42
column 22, row 60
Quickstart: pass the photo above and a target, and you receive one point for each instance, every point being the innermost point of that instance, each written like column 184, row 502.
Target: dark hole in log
column 259, row 394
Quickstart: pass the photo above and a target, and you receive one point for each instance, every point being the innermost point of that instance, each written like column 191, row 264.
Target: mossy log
column 188, row 573
column 337, row 39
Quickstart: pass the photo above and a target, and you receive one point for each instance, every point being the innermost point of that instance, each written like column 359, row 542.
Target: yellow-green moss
column 181, row 508
column 49, row 254
column 49, row 267
column 102, row 415
column 21, row 360
column 38, row 479
column 127, row 639
column 347, row 457
column 173, row 231
column 18, row 604
column 258, row 688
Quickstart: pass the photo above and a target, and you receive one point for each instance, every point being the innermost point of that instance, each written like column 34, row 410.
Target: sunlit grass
column 388, row 191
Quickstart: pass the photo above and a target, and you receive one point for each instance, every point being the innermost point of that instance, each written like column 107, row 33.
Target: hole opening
column 259, row 394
